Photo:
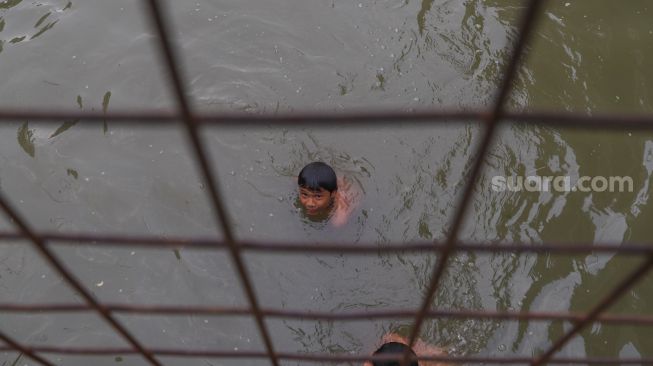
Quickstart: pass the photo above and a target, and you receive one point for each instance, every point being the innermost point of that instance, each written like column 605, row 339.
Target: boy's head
column 393, row 348
column 317, row 187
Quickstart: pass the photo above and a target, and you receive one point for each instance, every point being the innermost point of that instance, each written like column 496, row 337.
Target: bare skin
column 317, row 201
column 421, row 348
column 345, row 202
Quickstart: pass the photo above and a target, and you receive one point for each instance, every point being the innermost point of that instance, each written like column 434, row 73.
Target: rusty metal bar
column 15, row 346
column 171, row 62
column 387, row 118
column 492, row 120
column 633, row 320
column 50, row 257
column 363, row 118
column 202, row 243
column 603, row 305
column 326, row 358
column 570, row 120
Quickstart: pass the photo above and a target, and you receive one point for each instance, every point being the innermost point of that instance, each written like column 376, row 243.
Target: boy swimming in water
column 394, row 344
column 322, row 193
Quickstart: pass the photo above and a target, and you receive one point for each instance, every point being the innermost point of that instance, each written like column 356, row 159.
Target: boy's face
column 315, row 201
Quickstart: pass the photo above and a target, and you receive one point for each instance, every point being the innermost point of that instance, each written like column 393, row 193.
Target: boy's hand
column 345, row 183
column 339, row 218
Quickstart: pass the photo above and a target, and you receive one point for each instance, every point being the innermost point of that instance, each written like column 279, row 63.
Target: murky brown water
column 262, row 57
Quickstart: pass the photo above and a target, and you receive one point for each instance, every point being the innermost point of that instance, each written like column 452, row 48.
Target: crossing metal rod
column 389, row 118
column 330, row 358
column 58, row 266
column 228, row 119
column 202, row 243
column 491, row 120
column 171, row 61
column 623, row 319
column 603, row 305
column 15, row 346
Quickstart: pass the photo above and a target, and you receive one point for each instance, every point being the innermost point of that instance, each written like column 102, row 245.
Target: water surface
column 280, row 56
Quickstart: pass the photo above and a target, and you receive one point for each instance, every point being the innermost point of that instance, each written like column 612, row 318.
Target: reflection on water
column 285, row 55
column 593, row 58
column 20, row 31
column 26, row 136
column 26, row 139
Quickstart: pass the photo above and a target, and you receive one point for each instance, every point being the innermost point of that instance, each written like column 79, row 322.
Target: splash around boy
column 319, row 193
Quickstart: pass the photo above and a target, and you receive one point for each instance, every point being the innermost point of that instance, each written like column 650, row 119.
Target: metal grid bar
column 328, row 358
column 171, row 62
column 271, row 247
column 55, row 263
column 15, row 346
column 603, row 305
column 489, row 120
column 352, row 119
column 621, row 319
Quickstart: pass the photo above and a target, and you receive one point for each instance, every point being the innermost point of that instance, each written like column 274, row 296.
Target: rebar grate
column 490, row 119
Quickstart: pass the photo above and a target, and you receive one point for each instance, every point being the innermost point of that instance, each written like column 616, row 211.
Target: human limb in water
column 347, row 198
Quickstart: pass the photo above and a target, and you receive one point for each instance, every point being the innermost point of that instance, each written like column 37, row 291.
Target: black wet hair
column 393, row 348
column 318, row 175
